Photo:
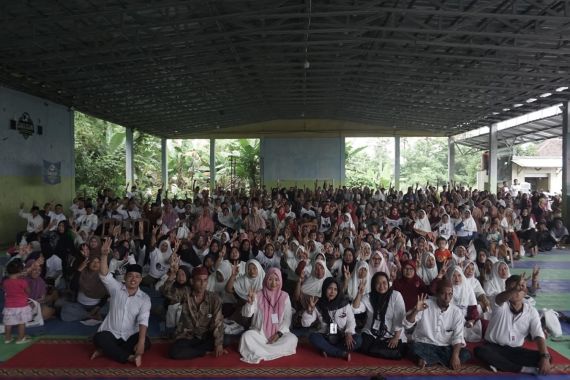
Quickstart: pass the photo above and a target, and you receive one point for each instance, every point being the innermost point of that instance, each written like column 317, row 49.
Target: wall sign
column 25, row 125
column 52, row 172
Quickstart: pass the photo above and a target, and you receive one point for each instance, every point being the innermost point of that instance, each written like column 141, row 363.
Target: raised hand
column 422, row 304
column 346, row 272
column 362, row 287
column 251, row 296
column 443, row 270
column 312, row 303
column 106, row 247
column 235, row 270
column 535, row 273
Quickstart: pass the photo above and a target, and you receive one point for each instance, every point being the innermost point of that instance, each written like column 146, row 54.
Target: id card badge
column 376, row 325
column 333, row 328
column 513, row 338
column 274, row 318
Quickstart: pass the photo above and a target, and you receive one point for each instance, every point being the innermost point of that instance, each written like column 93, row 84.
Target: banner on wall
column 52, row 172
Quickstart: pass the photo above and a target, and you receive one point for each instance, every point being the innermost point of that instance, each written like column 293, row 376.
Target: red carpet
column 71, row 359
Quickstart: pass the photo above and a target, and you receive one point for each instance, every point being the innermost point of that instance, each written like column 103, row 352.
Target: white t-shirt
column 508, row 329
column 440, row 328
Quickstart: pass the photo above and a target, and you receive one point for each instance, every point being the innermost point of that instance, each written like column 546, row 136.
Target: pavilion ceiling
column 187, row 68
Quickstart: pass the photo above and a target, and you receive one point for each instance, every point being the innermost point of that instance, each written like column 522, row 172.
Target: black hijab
column 380, row 302
column 325, row 306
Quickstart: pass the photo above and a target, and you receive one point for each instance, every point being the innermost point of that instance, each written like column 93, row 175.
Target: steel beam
column 212, row 165
column 450, row 159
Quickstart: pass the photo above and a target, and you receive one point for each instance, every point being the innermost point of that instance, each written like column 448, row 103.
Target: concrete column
column 342, row 163
column 565, row 162
column 129, row 168
column 450, row 159
column 164, row 161
column 493, row 158
column 397, row 162
column 212, row 165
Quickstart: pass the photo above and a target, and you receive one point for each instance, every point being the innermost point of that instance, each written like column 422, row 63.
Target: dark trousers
column 337, row 349
column 505, row 358
column 190, row 348
column 118, row 349
column 378, row 348
column 433, row 354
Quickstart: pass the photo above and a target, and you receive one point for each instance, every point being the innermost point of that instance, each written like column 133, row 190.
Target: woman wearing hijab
column 174, row 292
column 312, row 285
column 499, row 273
column 527, row 232
column 337, row 332
column 466, row 229
column 471, row 272
column 348, row 262
column 159, row 263
column 269, row 336
column 240, row 285
column 91, row 293
column 446, row 229
column 360, row 277
column 428, row 268
column 217, row 284
column 347, row 223
column 422, row 226
column 410, row 285
column 382, row 335
column 38, row 289
column 378, row 263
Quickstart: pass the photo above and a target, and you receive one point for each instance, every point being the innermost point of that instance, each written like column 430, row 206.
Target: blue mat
column 542, row 264
column 486, row 377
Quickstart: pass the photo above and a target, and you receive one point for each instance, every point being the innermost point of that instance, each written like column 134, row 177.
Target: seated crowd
column 381, row 272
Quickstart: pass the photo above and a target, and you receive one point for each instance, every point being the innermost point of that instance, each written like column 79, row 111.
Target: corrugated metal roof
column 538, row 162
column 177, row 69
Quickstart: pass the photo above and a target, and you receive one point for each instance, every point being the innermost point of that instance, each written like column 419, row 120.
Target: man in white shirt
column 123, row 334
column 512, row 320
column 35, row 223
column 515, row 188
column 56, row 217
column 438, row 336
column 88, row 222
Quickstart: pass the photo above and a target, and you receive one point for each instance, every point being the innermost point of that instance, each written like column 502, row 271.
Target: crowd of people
column 382, row 272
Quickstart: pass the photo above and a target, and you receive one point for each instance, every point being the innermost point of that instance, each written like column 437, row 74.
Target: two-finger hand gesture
column 251, row 296
column 346, row 272
column 106, row 248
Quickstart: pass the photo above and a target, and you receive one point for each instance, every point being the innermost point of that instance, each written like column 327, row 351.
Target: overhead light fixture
column 531, row 100
column 495, row 113
column 517, row 105
column 560, row 89
column 545, row 95
column 506, row 109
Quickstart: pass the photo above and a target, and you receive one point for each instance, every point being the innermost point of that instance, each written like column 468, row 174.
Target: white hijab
column 312, row 285
column 355, row 280
column 473, row 281
column 382, row 267
column 349, row 224
column 463, row 294
column 422, row 223
column 495, row 284
column 219, row 287
column 425, row 273
column 244, row 283
column 469, row 223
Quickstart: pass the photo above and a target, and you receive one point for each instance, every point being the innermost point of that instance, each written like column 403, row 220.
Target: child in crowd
column 16, row 309
column 442, row 253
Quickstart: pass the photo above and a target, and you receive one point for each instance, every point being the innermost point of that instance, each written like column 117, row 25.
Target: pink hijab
column 271, row 302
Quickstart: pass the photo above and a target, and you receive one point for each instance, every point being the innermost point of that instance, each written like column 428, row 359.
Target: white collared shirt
column 437, row 327
column 35, row 224
column 507, row 329
column 57, row 218
column 126, row 313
